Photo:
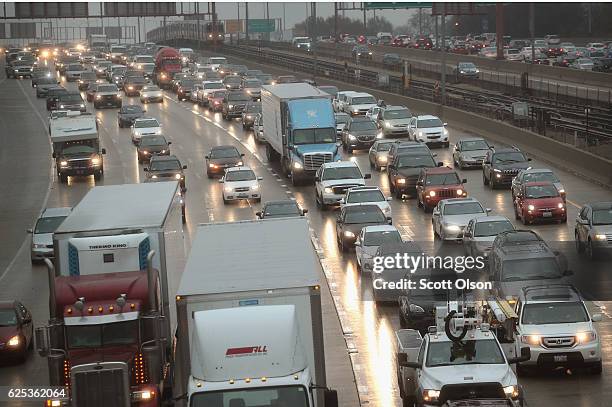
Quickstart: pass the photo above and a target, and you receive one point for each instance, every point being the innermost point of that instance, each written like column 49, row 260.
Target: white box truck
column 98, row 41
column 249, row 318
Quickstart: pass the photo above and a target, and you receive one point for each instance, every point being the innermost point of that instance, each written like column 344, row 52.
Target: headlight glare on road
column 348, row 233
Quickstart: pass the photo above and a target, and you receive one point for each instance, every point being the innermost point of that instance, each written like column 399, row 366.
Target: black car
column 71, row 101
column 359, row 134
column 404, row 171
column 501, row 165
column 221, row 157
column 16, row 331
column 232, row 82
column 168, row 167
column 353, row 218
column 133, row 84
column 602, row 64
column 43, row 85
column 87, row 78
column 287, row 208
column 233, row 104
column 361, row 52
column 183, row 90
column 128, row 113
column 152, row 145
column 391, row 61
column 251, row 110
column 53, row 94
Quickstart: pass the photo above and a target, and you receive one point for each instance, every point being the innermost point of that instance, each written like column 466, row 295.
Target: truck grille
column 98, row 385
column 314, row 161
column 86, row 163
column 341, row 189
column 366, row 138
column 241, row 189
column 471, row 391
column 447, row 193
column 559, row 342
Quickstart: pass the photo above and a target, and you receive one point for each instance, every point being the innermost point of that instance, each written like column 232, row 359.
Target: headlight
column 255, row 187
column 82, row 105
column 460, row 192
column 239, row 163
column 178, row 176
column 562, row 191
column 14, row 341
column 379, row 135
column 118, row 95
column 39, row 246
column 560, row 205
column 328, row 190
column 586, row 337
column 164, row 76
column 416, row 309
column 61, row 106
column 98, row 97
column 154, row 176
column 401, row 180
column 297, row 165
column 530, row 207
column 63, row 163
column 452, row 228
column 228, row 189
column 145, row 152
column 432, row 193
column 431, row 395
column 388, row 125
column 511, row 391
column 600, row 237
column 95, row 161
column 212, row 166
column 231, row 106
column 348, row 233
column 445, row 132
column 130, row 88
column 163, row 151
column 143, row 395
column 382, row 158
column 351, row 137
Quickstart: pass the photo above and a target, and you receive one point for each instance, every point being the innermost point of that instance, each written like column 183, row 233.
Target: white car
column 340, row 99
column 583, row 64
column 595, row 46
column 73, row 72
column 429, row 130
column 373, row 195
column 358, row 103
column 480, row 233
column 368, row 241
column 512, row 54
column 395, row 121
column 240, row 183
column 215, row 62
column 42, row 233
column 145, row 126
column 333, row 179
column 451, row 216
column 558, row 329
column 151, row 93
column 526, row 54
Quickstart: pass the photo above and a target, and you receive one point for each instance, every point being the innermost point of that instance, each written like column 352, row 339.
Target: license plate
column 560, row 358
column 80, row 172
column 547, row 214
column 242, row 195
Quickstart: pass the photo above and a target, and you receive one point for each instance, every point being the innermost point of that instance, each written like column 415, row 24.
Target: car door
column 26, row 322
column 468, row 238
column 517, row 182
column 340, row 224
column 436, row 214
column 486, row 165
column 358, row 245
column 456, row 152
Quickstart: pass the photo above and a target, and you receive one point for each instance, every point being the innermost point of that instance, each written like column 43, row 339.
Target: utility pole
column 335, row 23
column 268, row 18
column 138, row 20
column 532, row 29
column 313, row 12
column 215, row 28
column 365, row 22
column 239, row 32
column 420, row 22
column 443, row 60
column 589, row 18
column 246, row 11
column 499, row 29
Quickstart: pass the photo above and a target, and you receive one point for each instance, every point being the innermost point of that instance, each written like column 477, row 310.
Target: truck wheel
column 485, row 181
column 596, row 370
column 295, row 180
column 408, row 402
column 63, row 178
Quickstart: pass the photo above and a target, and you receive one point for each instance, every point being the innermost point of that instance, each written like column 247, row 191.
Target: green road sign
column 261, row 26
column 396, row 6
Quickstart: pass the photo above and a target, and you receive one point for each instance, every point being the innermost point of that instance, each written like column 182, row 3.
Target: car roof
column 362, row 207
column 359, row 94
column 281, row 202
column 537, row 170
column 396, row 107
column 538, row 184
column 492, row 218
column 140, row 119
column 550, row 293
column 427, row 117
column 379, row 228
column 471, row 139
column 400, row 247
column 336, row 164
column 364, row 188
column 360, row 119
column 7, row 304
column 223, row 147
column 53, row 212
column 241, row 168
column 453, row 201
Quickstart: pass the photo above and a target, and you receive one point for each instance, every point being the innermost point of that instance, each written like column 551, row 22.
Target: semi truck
column 299, row 128
column 250, row 326
column 108, row 338
column 167, row 64
column 76, row 146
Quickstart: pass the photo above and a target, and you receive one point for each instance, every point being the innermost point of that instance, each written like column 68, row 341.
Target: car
column 583, row 64
column 252, row 87
column 374, row 112
column 73, row 72
column 501, row 165
column 372, row 195
column 183, row 90
column 352, row 219
column 39, row 73
column 151, row 93
column 145, row 126
column 361, row 52
column 238, row 70
column 340, row 99
column 333, row 179
column 87, row 79
column 359, row 134
column 286, row 208
column 232, row 82
column 166, row 167
column 593, row 230
column 329, row 89
column 470, row 152
column 394, row 121
column 396, row 273
column 358, row 103
column 378, row 154
column 221, row 158
column 42, row 232
column 266, row 79
column 16, row 331
column 252, row 73
column 602, row 64
column 480, row 233
column 215, row 100
column 405, row 146
column 251, row 110
column 391, row 61
column 152, row 145
column 128, row 113
column 233, row 104
column 90, row 92
column 43, row 85
column 208, row 87
column 429, row 130
column 513, row 54
column 240, row 183
column 552, row 39
column 100, row 68
column 528, row 53
column 451, row 216
column 369, row 240
column 341, row 120
column 107, row 95
column 593, row 46
column 403, row 172
column 178, row 77
column 71, row 101
column 133, row 84
column 435, row 184
column 565, row 61
column 53, row 94
column 536, row 175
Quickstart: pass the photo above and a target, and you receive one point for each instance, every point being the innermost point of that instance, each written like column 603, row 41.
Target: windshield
column 513, row 157
column 442, row 179
column 366, row 214
column 365, row 100
column 224, row 153
column 363, row 125
column 474, row 145
column 75, row 68
column 252, row 83
column 397, row 114
column 240, row 175
column 541, row 191
column 238, row 97
column 70, row 98
column 153, row 141
column 281, row 209
column 188, row 83
column 139, row 124
column 150, row 88
column 285, row 396
column 342, row 118
column 449, row 353
column 415, row 161
column 232, row 80
column 467, row 66
column 494, row 228
column 463, row 208
column 119, row 71
column 217, row 60
column 554, row 313
column 365, row 196
column 384, row 146
column 135, row 79
column 302, row 40
column 118, row 49
column 530, row 269
column 46, row 81
column 165, row 165
column 88, row 76
column 341, row 173
column 144, row 59
column 48, row 225
column 427, row 123
column 96, row 336
column 602, row 216
column 8, row 317
column 79, row 147
column 107, row 88
column 131, row 109
column 314, row 136
column 378, row 238
column 213, row 85
column 218, row 95
column 212, row 76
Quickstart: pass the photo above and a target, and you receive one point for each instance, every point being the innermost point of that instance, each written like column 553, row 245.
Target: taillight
column 138, row 370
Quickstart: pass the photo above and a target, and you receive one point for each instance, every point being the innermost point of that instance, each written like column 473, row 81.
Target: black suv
column 168, row 167
column 404, row 171
column 359, row 134
column 233, row 104
column 501, row 165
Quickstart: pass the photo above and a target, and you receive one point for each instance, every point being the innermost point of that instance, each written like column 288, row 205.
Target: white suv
column 429, row 130
column 240, row 183
column 333, row 179
column 556, row 325
column 358, row 103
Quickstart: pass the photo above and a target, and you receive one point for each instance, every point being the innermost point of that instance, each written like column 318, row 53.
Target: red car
column 16, row 331
column 435, row 184
column 215, row 100
column 539, row 201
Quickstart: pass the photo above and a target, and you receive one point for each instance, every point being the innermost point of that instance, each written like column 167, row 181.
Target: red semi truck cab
column 104, row 341
column 167, row 63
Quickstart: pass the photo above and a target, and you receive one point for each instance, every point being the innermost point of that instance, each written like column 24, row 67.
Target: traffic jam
column 139, row 317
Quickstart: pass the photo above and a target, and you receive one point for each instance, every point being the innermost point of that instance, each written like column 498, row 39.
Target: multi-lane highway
column 360, row 330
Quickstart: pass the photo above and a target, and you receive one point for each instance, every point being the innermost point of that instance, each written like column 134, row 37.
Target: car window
column 224, row 153
column 130, row 109
column 378, row 238
column 146, row 123
column 165, row 165
column 554, row 313
column 450, row 178
column 363, row 100
column 373, row 195
column 279, row 209
column 486, row 229
column 48, row 224
column 415, row 161
column 397, row 114
column 240, row 175
column 8, row 317
column 541, row 191
column 362, row 125
column 473, row 145
column 341, row 173
column 509, row 157
column 427, row 123
column 602, row 216
column 463, row 208
column 383, row 146
column 153, row 141
column 364, row 214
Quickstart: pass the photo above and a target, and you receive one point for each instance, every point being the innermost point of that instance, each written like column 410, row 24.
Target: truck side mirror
column 242, row 155
column 184, row 167
column 464, row 181
column 145, row 169
column 169, row 142
column 412, row 365
column 596, row 317
column 207, row 157
column 367, row 176
column 525, row 356
column 440, row 164
column 103, row 151
column 304, row 212
column 29, row 230
column 42, row 340
column 330, row 398
column 258, row 214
